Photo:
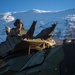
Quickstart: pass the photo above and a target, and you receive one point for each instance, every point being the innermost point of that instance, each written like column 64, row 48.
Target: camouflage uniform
column 13, row 32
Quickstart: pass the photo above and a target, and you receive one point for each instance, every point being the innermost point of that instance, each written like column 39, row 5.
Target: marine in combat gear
column 20, row 39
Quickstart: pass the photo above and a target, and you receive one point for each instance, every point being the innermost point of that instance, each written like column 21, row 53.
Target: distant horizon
column 25, row 5
column 43, row 20
column 37, row 9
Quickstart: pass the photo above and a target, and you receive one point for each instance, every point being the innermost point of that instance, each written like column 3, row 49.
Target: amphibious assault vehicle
column 37, row 57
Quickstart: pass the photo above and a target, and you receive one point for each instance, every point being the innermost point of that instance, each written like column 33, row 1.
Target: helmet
column 18, row 21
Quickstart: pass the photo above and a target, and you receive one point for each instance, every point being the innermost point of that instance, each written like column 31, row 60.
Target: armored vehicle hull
column 57, row 60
